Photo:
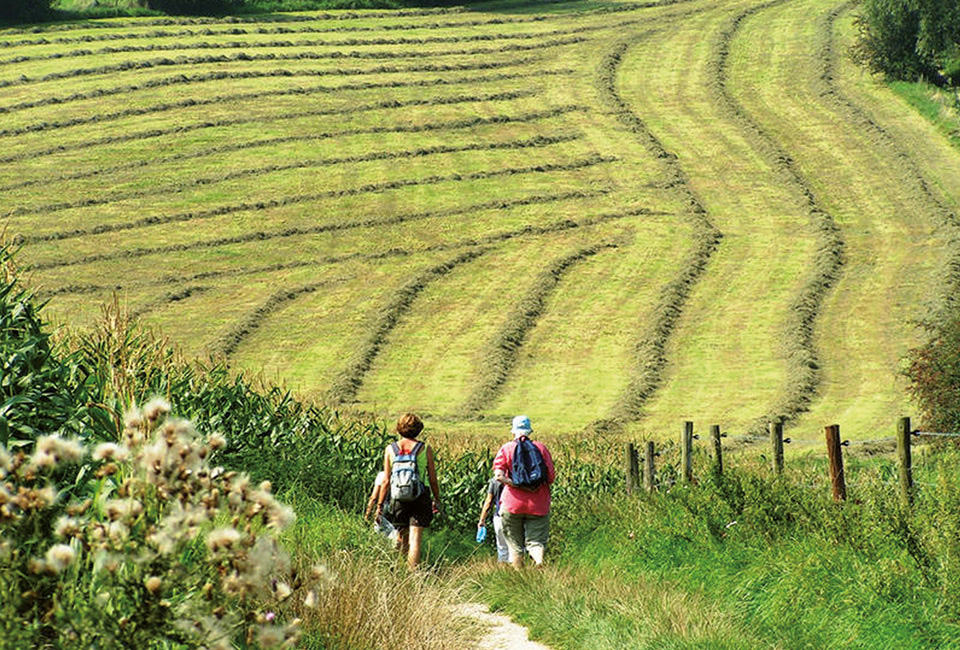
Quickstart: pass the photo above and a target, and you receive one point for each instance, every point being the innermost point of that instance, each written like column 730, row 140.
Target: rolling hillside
column 608, row 215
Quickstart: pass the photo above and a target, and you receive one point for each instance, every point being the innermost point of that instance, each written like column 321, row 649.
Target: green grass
column 263, row 188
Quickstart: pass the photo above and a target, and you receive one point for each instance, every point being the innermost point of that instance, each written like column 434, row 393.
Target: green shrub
column 934, row 376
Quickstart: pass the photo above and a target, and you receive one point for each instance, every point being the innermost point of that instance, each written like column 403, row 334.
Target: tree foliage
column 194, row 7
column 909, row 39
column 934, row 374
column 24, row 10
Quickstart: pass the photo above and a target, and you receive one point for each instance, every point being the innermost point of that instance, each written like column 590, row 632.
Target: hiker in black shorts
column 413, row 502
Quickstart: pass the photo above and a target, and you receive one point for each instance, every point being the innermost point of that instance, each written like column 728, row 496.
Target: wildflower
column 732, row 523
column 110, row 451
column 67, row 526
column 155, row 408
column 47, row 495
column 281, row 516
column 269, row 616
column 59, row 557
column 283, row 591
column 222, row 538
column 269, row 636
column 133, row 419
column 153, row 584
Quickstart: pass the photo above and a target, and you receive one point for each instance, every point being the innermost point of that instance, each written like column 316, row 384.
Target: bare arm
column 486, row 507
column 385, row 486
column 373, row 500
column 432, row 474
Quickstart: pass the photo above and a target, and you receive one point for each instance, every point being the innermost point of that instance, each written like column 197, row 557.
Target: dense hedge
column 24, row 10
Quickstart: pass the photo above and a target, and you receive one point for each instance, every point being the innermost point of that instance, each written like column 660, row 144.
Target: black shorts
column 418, row 513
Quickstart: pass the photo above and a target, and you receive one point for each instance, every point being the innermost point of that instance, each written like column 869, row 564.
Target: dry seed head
column 156, row 408
column 283, row 591
column 67, row 526
column 153, row 584
column 270, row 636
column 59, row 557
column 111, row 451
column 222, row 538
column 310, row 600
column 217, row 441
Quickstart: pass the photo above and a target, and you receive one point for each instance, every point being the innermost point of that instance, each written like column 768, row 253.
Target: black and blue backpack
column 529, row 470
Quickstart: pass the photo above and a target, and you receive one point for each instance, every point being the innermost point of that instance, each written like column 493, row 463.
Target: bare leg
column 403, row 540
column 413, row 557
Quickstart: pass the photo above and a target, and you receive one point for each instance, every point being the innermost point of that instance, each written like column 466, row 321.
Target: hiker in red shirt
column 525, row 510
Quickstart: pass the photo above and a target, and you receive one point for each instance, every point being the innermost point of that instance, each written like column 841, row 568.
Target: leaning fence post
column 717, row 449
column 687, row 452
column 835, row 454
column 776, row 442
column 649, row 479
column 906, row 466
column 632, row 468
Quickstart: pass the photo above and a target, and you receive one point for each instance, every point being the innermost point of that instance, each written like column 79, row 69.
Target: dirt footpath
column 503, row 633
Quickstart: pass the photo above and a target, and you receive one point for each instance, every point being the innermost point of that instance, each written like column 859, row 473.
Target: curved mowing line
column 243, row 57
column 168, row 298
column 219, row 99
column 503, row 350
column 229, row 343
column 194, row 102
column 369, row 188
column 351, row 42
column 650, row 350
column 530, row 143
column 473, row 122
column 76, row 289
column 222, row 75
column 950, row 298
column 389, row 104
column 349, row 380
column 803, row 378
column 316, row 230
column 624, row 7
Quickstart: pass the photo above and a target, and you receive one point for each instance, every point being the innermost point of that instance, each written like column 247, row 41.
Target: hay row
column 345, row 386
column 420, row 152
column 496, row 204
column 368, row 188
column 389, row 104
column 503, row 350
column 449, row 125
column 946, row 215
column 803, row 376
column 623, row 7
column 283, row 73
column 168, row 298
column 243, row 57
column 650, row 349
column 347, row 42
column 230, row 341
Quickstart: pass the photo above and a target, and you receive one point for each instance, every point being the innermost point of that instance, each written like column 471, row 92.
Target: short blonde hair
column 409, row 425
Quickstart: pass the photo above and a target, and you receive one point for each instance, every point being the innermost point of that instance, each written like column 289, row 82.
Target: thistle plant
column 157, row 549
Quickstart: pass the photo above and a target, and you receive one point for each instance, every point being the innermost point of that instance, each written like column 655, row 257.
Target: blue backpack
column 405, row 481
column 529, row 470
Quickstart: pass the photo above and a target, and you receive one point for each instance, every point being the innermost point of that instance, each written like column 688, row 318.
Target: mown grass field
column 615, row 215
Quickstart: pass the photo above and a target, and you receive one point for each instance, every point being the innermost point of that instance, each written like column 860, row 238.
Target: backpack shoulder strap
column 416, row 448
column 396, row 449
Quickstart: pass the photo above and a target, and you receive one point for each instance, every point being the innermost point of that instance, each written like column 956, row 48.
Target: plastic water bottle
column 481, row 534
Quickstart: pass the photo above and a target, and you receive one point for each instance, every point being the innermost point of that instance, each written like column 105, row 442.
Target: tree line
column 911, row 39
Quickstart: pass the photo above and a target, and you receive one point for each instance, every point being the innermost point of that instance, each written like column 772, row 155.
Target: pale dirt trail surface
column 503, row 634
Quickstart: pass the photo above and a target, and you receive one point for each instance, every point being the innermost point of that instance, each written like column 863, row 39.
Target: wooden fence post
column 835, row 454
column 906, row 463
column 717, row 449
column 649, row 479
column 632, row 468
column 776, row 442
column 687, row 452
